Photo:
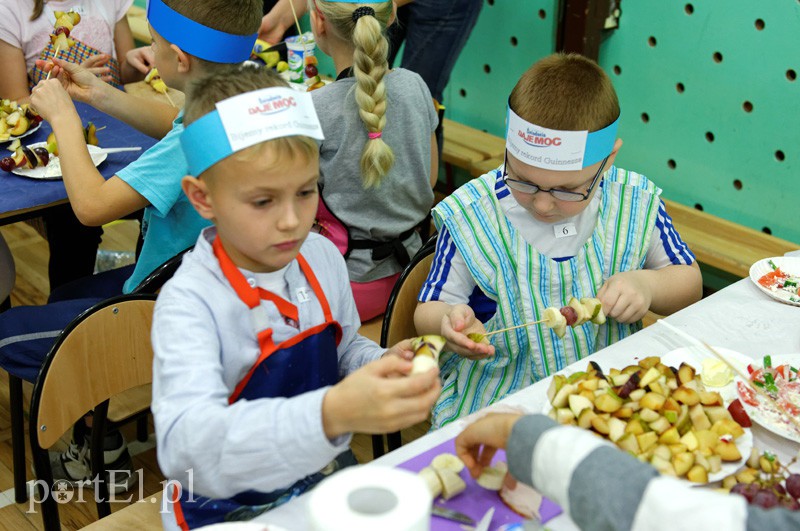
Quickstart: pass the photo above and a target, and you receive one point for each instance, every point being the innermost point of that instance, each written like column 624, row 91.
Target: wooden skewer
column 738, row 372
column 170, row 99
column 493, row 332
column 297, row 23
column 54, row 64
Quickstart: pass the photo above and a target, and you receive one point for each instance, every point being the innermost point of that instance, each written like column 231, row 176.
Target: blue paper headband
column 246, row 120
column 198, row 40
column 557, row 150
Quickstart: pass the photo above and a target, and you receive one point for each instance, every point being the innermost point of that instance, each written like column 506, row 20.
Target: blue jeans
column 435, row 32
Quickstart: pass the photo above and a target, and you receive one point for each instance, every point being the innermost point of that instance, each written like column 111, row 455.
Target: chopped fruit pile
column 662, row 416
column 26, row 157
column 63, row 27
column 270, row 58
column 765, row 482
column 154, row 80
column 15, row 120
column 786, row 285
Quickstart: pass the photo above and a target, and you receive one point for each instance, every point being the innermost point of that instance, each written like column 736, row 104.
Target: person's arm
column 149, row 116
column 434, row 161
column 602, row 487
column 123, row 42
column 94, row 200
column 279, row 19
column 14, row 81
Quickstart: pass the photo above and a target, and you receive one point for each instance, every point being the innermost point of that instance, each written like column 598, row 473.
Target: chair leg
column 378, row 448
column 141, row 429
column 5, row 305
column 394, row 440
column 48, row 504
column 98, row 465
column 17, row 438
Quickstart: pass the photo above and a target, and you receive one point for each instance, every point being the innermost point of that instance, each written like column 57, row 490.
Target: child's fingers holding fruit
column 457, row 325
column 626, row 296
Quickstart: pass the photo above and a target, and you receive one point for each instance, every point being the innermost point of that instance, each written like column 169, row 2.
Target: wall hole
column 542, row 14
column 766, row 230
column 463, row 93
column 747, row 106
column 617, row 69
column 680, row 88
column 791, row 75
column 698, row 206
column 651, row 41
column 717, row 57
column 514, row 41
column 671, row 164
column 780, row 156
column 487, row 69
column 689, row 8
column 645, row 117
column 709, row 136
column 490, row 2
column 759, row 24
column 737, row 184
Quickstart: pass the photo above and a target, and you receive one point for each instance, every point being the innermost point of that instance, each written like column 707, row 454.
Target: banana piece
column 492, row 477
column 447, row 462
column 431, row 480
column 452, row 483
column 555, row 320
column 426, row 352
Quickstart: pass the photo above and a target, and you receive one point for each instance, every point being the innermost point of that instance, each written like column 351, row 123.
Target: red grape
column 62, row 29
column 7, row 164
column 766, row 499
column 569, row 314
column 793, row 485
column 43, row 155
column 748, row 490
column 311, row 71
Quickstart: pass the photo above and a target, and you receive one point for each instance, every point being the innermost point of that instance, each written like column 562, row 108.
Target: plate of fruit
column 778, row 376
column 17, row 121
column 778, row 277
column 36, row 161
column 659, row 410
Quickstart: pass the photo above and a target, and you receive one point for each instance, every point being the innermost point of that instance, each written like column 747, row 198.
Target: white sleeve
column 449, row 280
column 666, row 246
column 217, row 448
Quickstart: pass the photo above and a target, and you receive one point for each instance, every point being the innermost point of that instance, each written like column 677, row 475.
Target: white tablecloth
column 739, row 317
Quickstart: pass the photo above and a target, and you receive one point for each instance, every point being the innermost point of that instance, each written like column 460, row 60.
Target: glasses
column 561, row 195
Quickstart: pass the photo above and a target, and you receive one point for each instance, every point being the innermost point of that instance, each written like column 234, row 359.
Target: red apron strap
column 312, row 280
column 248, row 294
column 286, row 308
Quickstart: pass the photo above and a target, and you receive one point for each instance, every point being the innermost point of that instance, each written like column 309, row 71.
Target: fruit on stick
column 65, row 22
column 52, row 143
column 153, row 78
column 282, row 66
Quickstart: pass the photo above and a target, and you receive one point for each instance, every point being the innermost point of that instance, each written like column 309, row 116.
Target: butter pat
column 715, row 373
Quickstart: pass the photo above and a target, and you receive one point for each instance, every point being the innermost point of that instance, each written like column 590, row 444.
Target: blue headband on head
column 198, row 40
column 246, row 120
column 557, row 150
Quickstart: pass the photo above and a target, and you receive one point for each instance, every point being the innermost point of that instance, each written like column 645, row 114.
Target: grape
column 62, row 29
column 790, row 503
column 748, row 490
column 779, row 489
column 793, row 485
column 766, row 499
column 569, row 314
column 7, row 164
column 311, row 71
column 43, row 154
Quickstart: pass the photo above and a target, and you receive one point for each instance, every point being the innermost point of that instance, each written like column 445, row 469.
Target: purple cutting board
column 475, row 500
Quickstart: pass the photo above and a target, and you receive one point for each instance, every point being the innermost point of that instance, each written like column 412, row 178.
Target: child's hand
column 98, row 65
column 456, row 325
column 374, row 400
column 79, row 82
column 626, row 296
column 142, row 59
column 477, row 444
column 51, row 101
column 402, row 350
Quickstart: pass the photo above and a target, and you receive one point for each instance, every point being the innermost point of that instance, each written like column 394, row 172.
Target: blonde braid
column 370, row 65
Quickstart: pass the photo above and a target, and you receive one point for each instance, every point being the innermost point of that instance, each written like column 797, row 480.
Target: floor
column 30, row 254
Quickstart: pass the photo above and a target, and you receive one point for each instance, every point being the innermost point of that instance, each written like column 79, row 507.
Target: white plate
column 694, row 356
column 23, row 135
column 764, row 415
column 789, row 265
column 53, row 168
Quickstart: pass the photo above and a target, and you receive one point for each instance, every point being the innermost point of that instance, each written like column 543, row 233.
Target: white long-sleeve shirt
column 204, row 343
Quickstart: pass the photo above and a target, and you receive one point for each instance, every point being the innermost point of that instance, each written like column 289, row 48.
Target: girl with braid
column 378, row 159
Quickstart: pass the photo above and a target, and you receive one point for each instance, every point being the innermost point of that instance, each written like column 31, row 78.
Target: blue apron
column 302, row 363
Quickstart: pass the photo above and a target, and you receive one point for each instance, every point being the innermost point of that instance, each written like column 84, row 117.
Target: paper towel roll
column 369, row 498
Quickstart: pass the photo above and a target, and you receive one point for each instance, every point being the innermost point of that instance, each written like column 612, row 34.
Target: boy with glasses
column 558, row 220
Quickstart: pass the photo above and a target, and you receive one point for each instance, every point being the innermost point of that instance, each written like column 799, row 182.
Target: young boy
column 257, row 327
column 190, row 38
column 548, row 226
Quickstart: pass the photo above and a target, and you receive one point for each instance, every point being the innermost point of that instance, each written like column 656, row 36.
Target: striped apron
column 523, row 282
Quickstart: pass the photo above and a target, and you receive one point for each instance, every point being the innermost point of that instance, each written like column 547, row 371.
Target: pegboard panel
column 509, row 36
column 710, row 104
